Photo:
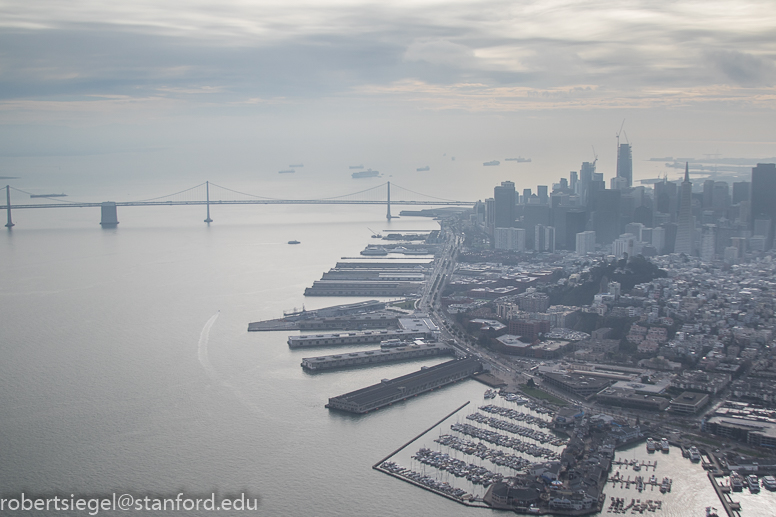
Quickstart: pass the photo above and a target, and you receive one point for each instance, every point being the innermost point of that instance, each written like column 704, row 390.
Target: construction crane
column 375, row 235
column 595, row 156
column 618, row 135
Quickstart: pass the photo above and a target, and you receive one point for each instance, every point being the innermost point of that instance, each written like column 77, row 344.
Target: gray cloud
column 237, row 52
column 744, row 69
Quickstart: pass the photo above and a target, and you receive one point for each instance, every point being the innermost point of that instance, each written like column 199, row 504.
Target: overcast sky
column 262, row 80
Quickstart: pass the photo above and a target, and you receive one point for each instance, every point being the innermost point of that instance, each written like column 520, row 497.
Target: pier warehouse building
column 419, row 326
column 389, row 391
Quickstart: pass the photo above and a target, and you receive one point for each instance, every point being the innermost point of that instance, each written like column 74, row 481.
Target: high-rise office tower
column 585, row 177
column 539, row 235
column 605, row 205
column 541, row 191
column 708, row 193
column 665, row 198
column 685, row 226
column 659, row 239
column 741, row 191
column 576, row 222
column 625, row 164
column 573, row 178
column 549, row 239
column 708, row 242
column 504, row 196
column 720, row 198
column 763, row 191
column 526, row 195
column 490, row 213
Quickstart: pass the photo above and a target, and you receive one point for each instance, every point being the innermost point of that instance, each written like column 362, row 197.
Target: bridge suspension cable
column 395, row 186
column 170, row 195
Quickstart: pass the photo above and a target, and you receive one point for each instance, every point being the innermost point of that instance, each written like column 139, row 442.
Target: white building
column 625, row 243
column 509, row 239
column 585, row 243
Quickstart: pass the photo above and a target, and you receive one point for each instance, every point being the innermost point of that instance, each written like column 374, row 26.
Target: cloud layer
column 475, row 55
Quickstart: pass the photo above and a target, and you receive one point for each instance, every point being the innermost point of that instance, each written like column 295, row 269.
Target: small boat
column 711, row 512
column 769, row 482
column 491, row 163
column 664, row 444
column 695, row 454
column 374, row 251
column 423, row 169
column 736, row 483
column 288, row 171
column 754, row 483
column 294, row 242
column 636, row 467
column 650, row 445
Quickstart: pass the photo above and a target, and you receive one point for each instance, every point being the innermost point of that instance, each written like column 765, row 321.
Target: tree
column 530, row 383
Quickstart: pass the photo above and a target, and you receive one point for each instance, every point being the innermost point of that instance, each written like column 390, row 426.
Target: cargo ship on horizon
column 369, row 173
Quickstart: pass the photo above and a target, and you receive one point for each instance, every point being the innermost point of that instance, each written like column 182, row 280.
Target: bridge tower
column 388, row 215
column 208, row 220
column 109, row 218
column 9, row 224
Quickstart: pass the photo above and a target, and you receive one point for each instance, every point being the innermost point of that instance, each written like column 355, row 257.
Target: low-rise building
column 576, row 383
column 627, row 397
column 688, row 403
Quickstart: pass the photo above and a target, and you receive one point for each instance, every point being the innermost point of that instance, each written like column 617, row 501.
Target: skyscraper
column 625, row 164
column 504, row 196
column 763, row 191
column 708, row 242
column 685, row 226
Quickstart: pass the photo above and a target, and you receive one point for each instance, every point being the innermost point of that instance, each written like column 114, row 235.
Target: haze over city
column 185, row 90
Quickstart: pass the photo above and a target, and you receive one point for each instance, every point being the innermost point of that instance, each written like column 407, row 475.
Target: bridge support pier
column 9, row 224
column 388, row 214
column 208, row 220
column 109, row 217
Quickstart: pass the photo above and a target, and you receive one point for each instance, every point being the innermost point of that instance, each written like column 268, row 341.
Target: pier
column 401, row 388
column 363, row 288
column 383, row 355
column 378, row 319
column 732, row 508
column 352, row 338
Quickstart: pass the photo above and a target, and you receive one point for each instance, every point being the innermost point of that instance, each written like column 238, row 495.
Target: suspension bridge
column 207, row 194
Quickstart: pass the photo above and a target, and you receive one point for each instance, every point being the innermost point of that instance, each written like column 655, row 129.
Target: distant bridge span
column 211, row 194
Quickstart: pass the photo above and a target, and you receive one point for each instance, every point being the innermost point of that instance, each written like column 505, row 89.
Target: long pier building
column 389, row 391
column 382, row 355
column 412, row 327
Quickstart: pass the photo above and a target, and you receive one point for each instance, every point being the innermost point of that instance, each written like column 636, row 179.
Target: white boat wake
column 204, row 360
